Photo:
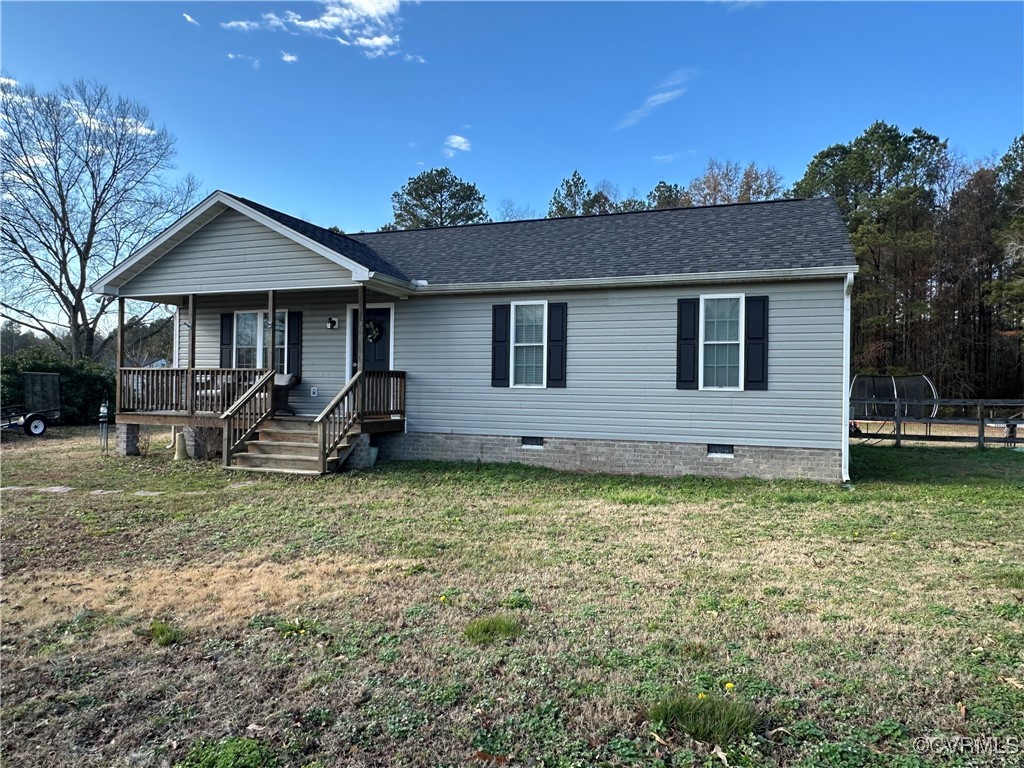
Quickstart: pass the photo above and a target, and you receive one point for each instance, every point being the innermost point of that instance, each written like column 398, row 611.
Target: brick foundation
column 632, row 457
column 360, row 458
column 126, row 441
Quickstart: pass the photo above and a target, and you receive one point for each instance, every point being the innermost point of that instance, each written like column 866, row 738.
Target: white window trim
column 742, row 340
column 512, row 346
column 350, row 352
column 260, row 337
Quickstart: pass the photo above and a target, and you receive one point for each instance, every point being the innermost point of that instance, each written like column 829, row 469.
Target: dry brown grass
column 836, row 612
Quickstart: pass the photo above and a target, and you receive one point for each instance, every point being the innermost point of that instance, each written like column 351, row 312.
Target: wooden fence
column 984, row 422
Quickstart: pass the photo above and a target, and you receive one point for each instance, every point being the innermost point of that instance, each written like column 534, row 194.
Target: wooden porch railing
column 340, row 415
column 245, row 415
column 184, row 390
column 385, row 394
column 369, row 394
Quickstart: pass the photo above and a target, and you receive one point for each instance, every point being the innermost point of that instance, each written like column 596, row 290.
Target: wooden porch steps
column 288, row 444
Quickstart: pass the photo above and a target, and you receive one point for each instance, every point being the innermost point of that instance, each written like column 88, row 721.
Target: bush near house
column 84, row 384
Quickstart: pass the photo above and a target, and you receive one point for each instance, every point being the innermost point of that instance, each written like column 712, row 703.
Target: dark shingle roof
column 784, row 234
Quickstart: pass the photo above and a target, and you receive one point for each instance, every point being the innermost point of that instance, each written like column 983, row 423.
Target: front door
column 377, row 335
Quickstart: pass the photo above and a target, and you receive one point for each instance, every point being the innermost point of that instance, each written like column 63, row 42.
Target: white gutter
column 744, row 276
column 847, row 292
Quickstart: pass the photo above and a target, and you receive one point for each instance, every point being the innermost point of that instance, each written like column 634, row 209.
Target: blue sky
column 324, row 109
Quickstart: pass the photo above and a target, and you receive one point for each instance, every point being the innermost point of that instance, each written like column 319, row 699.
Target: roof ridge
column 599, row 215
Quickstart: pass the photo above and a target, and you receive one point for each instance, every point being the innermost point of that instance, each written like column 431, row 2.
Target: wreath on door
column 373, row 330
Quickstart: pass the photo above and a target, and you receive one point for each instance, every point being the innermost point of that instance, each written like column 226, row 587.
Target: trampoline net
column 917, row 387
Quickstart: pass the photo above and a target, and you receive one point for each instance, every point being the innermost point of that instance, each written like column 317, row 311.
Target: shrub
column 712, row 719
column 489, row 629
column 232, row 752
column 84, row 384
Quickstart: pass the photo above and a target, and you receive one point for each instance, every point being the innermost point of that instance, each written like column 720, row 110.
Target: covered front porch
column 317, row 348
column 274, row 316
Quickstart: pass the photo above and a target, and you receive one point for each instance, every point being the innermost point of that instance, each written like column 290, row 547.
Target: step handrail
column 338, row 418
column 249, row 412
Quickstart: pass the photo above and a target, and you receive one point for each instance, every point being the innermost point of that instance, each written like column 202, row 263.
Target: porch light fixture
column 332, row 323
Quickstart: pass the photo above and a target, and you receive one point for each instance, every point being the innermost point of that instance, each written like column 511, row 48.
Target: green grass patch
column 518, row 600
column 709, row 718
column 232, row 752
column 491, row 629
column 164, row 633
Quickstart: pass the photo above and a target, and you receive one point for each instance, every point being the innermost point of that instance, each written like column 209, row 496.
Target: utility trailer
column 40, row 406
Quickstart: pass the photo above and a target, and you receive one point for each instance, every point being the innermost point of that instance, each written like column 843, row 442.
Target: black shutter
column 227, row 339
column 294, row 362
column 686, row 344
column 756, row 359
column 558, row 321
column 501, row 317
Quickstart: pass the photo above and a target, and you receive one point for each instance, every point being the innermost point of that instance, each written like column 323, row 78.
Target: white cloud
column 663, row 159
column 131, row 125
column 366, row 24
column 664, row 93
column 244, row 26
column 7, row 82
column 189, row 19
column 242, row 57
column 379, row 42
column 455, row 143
column 288, row 58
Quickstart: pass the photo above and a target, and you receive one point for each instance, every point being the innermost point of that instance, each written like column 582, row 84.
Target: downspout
column 847, row 292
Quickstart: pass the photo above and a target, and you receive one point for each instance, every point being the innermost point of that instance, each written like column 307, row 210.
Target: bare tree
column 508, row 210
column 729, row 183
column 84, row 183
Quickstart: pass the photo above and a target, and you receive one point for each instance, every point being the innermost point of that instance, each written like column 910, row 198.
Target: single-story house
column 710, row 340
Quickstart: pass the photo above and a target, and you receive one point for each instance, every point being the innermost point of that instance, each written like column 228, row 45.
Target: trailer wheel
column 36, row 424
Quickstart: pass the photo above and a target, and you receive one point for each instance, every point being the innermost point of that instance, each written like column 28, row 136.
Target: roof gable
column 339, row 249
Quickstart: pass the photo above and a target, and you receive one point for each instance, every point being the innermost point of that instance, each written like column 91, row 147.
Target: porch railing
column 245, row 415
column 340, row 415
column 385, row 394
column 368, row 395
column 184, row 390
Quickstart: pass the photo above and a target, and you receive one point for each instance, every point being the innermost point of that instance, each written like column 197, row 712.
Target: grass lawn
column 459, row 614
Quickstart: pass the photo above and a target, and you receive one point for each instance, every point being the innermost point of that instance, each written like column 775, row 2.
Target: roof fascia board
column 745, row 276
column 392, row 286
column 322, row 286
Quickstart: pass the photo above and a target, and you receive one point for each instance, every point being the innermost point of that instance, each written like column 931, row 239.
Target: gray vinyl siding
column 233, row 253
column 621, row 368
column 323, row 350
column 621, row 365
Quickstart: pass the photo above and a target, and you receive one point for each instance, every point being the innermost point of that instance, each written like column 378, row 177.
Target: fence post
column 981, row 424
column 898, row 421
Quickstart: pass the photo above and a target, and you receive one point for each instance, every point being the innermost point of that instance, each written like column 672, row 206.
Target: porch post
column 361, row 349
column 191, row 330
column 272, row 317
column 120, row 352
column 190, row 379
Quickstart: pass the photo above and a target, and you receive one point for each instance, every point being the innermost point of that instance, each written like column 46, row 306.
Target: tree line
column 939, row 240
